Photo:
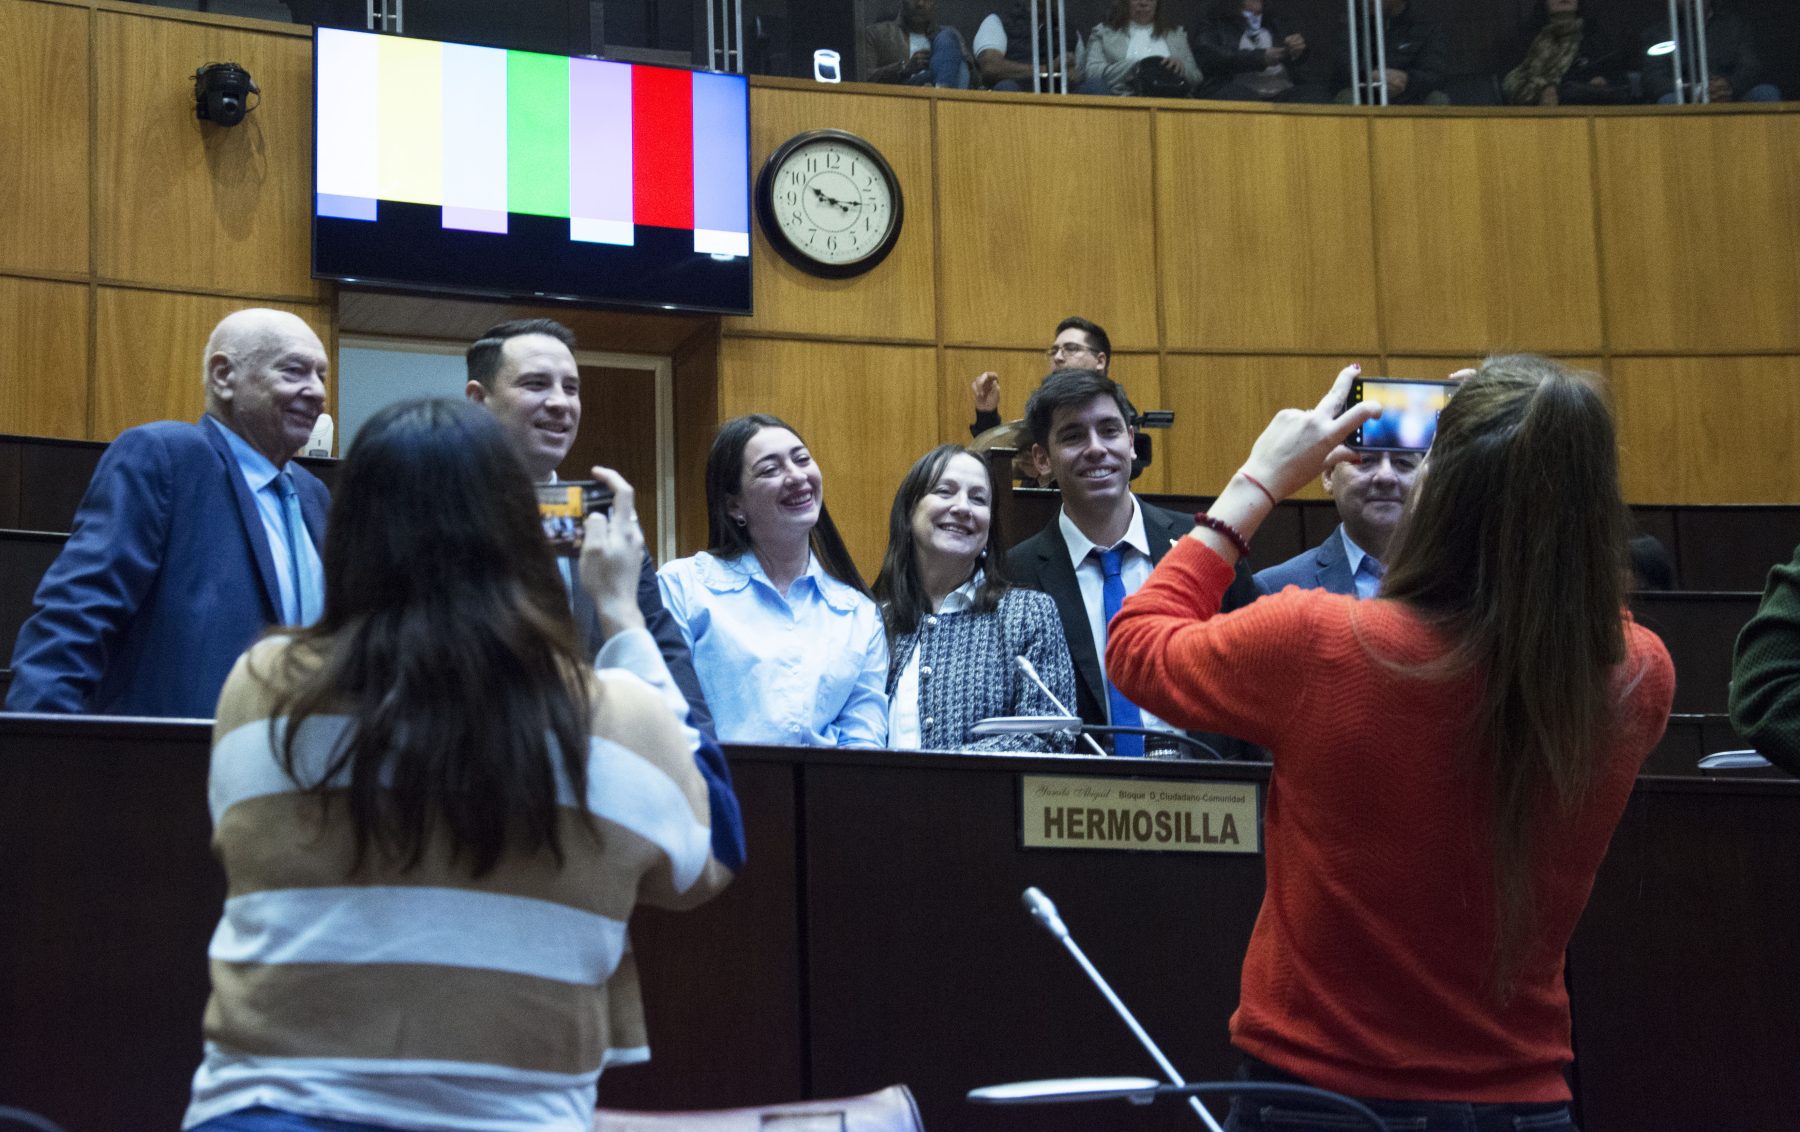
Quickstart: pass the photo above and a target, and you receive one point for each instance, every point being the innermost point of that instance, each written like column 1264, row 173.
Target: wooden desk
column 876, row 936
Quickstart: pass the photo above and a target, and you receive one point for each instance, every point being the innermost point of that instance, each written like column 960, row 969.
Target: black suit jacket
column 669, row 640
column 1042, row 562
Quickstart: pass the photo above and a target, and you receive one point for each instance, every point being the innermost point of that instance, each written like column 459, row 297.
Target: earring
column 739, row 520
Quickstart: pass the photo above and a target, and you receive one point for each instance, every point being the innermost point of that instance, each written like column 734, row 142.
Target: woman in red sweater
column 1450, row 758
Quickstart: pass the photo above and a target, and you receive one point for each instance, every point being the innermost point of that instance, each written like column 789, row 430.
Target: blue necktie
column 1124, row 712
column 1371, row 571
column 308, row 602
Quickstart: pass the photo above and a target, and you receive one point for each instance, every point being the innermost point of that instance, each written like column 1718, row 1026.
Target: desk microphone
column 1044, row 912
column 1031, row 673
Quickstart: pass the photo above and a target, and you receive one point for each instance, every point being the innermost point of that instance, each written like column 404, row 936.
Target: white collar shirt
column 1134, row 571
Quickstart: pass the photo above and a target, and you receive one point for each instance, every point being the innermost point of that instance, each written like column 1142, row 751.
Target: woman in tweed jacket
column 955, row 625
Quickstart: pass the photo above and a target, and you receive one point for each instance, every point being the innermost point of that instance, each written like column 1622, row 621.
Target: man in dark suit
column 524, row 373
column 191, row 538
column 1105, row 541
column 1371, row 496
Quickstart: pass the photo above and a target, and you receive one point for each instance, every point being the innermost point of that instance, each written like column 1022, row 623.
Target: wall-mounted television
column 477, row 170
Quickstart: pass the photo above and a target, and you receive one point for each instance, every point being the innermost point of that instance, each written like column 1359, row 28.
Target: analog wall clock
column 829, row 203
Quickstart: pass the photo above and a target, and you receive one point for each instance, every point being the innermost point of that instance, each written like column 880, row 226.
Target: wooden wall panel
column 1223, row 402
column 1265, row 222
column 147, row 354
column 1045, row 213
column 464, row 320
column 44, row 121
column 1485, row 234
column 696, row 381
column 1020, row 372
column 1700, row 230
column 897, row 299
column 866, row 411
column 1438, row 368
column 186, row 204
column 1708, row 430
column 43, row 357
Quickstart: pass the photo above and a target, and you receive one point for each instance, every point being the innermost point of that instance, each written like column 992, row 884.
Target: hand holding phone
column 565, row 506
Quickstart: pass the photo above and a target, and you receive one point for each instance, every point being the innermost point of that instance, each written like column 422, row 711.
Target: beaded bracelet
column 1231, row 534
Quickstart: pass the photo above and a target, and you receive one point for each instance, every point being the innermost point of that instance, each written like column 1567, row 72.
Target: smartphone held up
column 564, row 508
column 1409, row 413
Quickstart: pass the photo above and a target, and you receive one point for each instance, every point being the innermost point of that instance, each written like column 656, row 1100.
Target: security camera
column 221, row 93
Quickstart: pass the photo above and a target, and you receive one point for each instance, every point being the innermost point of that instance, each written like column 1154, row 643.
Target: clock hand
column 832, row 201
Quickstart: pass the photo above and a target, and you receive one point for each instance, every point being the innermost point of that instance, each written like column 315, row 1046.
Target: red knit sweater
column 1366, row 971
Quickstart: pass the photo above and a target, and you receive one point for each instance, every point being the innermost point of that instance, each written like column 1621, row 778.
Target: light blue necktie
column 1124, row 712
column 1369, row 571
column 308, row 601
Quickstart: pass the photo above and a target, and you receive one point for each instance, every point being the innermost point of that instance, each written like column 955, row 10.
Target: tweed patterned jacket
column 967, row 672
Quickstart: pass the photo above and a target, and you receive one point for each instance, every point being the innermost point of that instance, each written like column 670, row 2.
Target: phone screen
column 1409, row 413
column 564, row 505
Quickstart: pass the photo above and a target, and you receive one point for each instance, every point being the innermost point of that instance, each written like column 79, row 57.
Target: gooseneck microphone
column 1044, row 912
column 1031, row 673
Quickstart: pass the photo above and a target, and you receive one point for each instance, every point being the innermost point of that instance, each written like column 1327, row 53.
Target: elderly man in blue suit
column 1371, row 496
column 190, row 540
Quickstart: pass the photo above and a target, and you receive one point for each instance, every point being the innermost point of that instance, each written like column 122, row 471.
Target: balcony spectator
column 1249, row 54
column 1418, row 52
column 1003, row 52
column 1138, row 49
column 914, row 49
column 1568, row 60
column 1736, row 70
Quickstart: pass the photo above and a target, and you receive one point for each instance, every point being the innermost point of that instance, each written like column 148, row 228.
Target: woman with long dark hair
column 956, row 627
column 435, row 817
column 786, row 640
column 1450, row 759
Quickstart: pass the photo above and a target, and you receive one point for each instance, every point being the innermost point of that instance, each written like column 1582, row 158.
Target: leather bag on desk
column 890, row 1110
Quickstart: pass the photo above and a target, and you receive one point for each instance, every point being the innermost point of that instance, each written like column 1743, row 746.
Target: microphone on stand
column 1044, row 912
column 1088, row 729
column 1031, row 673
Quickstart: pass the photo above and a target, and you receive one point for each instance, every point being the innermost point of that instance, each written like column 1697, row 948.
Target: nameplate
column 1181, row 816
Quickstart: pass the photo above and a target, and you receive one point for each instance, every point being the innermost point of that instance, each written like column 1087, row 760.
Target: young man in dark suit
column 524, row 373
column 1104, row 541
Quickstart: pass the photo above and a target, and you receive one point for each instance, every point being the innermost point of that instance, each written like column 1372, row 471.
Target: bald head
column 265, row 379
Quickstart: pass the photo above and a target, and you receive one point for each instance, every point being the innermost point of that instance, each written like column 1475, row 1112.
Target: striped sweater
column 426, row 998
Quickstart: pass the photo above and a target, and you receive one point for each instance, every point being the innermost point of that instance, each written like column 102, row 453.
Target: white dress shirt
column 1134, row 571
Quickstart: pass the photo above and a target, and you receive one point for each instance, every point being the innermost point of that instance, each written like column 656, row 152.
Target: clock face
column 830, row 203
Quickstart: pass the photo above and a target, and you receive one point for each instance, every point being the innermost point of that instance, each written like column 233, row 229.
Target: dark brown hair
column 725, row 478
column 1120, row 13
column 1514, row 544
column 483, row 357
column 898, row 587
column 1071, row 389
column 446, row 639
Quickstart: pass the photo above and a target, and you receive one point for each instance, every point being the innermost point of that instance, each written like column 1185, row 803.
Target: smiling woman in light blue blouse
column 787, row 643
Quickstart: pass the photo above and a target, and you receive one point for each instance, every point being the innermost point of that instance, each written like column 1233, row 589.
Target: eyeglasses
column 1062, row 348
